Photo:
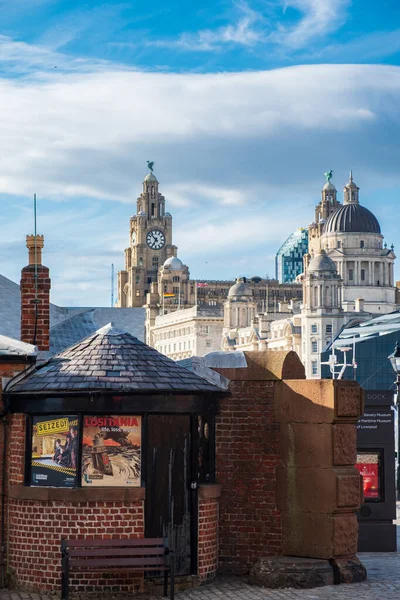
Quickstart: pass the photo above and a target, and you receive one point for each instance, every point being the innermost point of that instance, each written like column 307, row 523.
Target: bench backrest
column 147, row 552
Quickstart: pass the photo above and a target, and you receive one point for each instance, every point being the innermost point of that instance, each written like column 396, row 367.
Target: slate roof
column 76, row 328
column 67, row 325
column 10, row 309
column 110, row 360
column 11, row 347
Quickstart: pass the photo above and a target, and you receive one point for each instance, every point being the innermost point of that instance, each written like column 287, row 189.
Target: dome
column 240, row 288
column 167, row 214
column 151, row 177
column 329, row 187
column 174, row 263
column 352, row 218
column 321, row 262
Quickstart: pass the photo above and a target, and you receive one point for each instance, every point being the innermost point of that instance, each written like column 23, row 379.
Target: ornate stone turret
column 328, row 204
column 240, row 308
column 322, row 284
column 351, row 191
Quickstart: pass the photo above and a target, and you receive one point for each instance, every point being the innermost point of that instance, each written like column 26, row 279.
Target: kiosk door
column 168, row 491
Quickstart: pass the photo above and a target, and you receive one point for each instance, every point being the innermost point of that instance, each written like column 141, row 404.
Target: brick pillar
column 35, row 297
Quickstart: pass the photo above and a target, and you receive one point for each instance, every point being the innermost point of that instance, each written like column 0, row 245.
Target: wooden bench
column 146, row 554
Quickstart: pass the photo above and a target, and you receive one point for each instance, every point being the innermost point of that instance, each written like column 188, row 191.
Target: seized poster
column 55, row 449
column 111, row 451
column 368, row 466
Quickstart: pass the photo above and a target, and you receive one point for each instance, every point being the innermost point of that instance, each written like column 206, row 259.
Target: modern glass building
column 365, row 347
column 289, row 258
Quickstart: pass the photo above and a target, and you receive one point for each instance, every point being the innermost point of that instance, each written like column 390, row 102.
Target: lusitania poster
column 111, row 454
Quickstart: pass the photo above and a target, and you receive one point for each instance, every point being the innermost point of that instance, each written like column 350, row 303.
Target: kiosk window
column 369, row 464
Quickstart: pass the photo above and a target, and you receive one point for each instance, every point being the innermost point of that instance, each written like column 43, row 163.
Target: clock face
column 155, row 239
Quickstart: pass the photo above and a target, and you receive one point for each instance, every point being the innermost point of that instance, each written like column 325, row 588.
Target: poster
column 55, row 447
column 368, row 466
column 111, row 451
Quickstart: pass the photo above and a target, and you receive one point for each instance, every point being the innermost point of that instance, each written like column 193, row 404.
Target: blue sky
column 242, row 105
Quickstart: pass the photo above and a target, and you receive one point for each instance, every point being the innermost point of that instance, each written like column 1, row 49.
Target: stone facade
column 156, row 278
column 191, row 332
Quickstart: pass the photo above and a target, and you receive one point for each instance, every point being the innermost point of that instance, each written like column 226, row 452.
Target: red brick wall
column 207, row 559
column 35, row 532
column 247, row 455
column 28, row 306
column 35, row 529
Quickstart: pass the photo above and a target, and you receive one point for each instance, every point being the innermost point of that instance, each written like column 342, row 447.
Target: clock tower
column 150, row 244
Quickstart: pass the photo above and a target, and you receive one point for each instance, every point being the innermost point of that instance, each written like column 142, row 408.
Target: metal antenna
column 112, row 285
column 36, row 301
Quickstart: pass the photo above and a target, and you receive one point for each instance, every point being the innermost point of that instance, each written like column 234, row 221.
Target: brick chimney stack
column 35, row 296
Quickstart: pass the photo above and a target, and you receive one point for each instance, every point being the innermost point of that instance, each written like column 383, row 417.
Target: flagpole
column 195, row 293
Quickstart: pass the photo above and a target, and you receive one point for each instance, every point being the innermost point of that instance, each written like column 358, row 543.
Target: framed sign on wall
column 111, row 451
column 55, row 451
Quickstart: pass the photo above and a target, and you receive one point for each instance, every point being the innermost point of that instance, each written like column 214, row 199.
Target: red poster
column 368, row 466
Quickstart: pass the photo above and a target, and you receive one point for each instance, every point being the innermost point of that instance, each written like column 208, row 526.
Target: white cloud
column 316, row 18
column 319, row 17
column 245, row 31
column 240, row 158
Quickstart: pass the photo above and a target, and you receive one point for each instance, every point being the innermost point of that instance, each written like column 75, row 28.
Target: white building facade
column 188, row 332
column 348, row 277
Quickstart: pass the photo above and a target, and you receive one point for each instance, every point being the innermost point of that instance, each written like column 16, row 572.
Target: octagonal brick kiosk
column 107, row 439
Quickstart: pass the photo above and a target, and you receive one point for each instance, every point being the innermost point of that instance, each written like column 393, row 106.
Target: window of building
column 314, row 328
column 175, row 290
column 328, row 329
column 174, row 347
column 338, row 244
column 351, row 271
column 137, row 278
column 314, row 346
column 362, row 274
column 140, row 262
column 208, row 343
column 362, row 244
column 152, row 209
column 154, row 262
column 175, row 278
column 314, row 367
column 176, row 300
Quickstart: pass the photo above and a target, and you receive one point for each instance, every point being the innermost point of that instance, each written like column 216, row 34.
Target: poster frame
column 143, row 441
column 28, row 448
column 380, row 453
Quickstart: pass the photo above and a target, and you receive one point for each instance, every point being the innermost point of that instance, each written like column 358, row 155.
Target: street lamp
column 395, row 362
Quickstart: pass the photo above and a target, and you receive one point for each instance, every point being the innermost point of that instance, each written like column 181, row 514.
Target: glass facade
column 371, row 342
column 289, row 258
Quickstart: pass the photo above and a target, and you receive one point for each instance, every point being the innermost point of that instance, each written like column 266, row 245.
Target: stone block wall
column 318, row 487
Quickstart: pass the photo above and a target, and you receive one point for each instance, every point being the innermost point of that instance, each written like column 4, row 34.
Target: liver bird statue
column 328, row 176
column 150, row 165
